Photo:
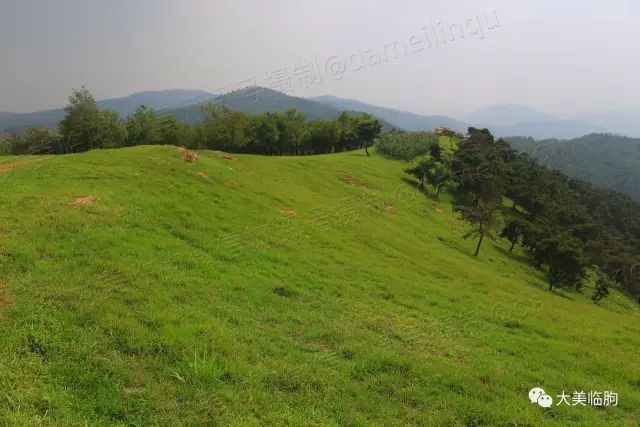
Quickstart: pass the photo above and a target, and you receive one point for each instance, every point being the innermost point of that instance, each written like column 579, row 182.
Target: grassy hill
column 139, row 289
column 608, row 161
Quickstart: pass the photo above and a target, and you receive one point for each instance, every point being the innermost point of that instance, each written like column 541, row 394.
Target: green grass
column 280, row 291
column 449, row 145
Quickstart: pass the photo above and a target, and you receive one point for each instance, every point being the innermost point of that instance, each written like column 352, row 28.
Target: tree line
column 85, row 128
column 568, row 228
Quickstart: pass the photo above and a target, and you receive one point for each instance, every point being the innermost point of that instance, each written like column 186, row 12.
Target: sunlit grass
column 267, row 291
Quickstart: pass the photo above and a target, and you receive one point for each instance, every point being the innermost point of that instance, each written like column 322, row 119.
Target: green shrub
column 407, row 145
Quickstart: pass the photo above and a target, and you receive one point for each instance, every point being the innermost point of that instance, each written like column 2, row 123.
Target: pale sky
column 555, row 55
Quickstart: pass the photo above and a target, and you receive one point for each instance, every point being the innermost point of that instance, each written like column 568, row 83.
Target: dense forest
column 569, row 228
column 86, row 127
column 606, row 160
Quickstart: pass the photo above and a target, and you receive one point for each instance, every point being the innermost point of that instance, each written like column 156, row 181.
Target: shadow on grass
column 416, row 185
column 514, row 256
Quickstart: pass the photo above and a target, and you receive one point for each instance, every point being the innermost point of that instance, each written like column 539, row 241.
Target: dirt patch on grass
column 223, row 155
column 188, row 155
column 386, row 207
column 13, row 165
column 289, row 213
column 436, row 208
column 203, row 176
column 84, row 201
column 351, row 182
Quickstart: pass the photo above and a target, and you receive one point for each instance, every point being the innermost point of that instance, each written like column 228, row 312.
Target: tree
column 110, row 133
column 421, row 170
column 171, row 132
column 142, row 127
column 263, row 134
column 440, row 176
column 512, row 232
column 430, row 170
column 435, row 151
column 223, row 129
column 78, row 128
column 33, row 141
column 567, row 262
column 368, row 128
column 292, row 131
column 323, row 135
column 479, row 168
column 346, row 131
column 603, row 283
column 483, row 218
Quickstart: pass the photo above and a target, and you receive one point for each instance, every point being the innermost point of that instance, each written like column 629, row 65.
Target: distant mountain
column 21, row 120
column 522, row 120
column 624, row 123
column 258, row 100
column 562, row 129
column 608, row 161
column 123, row 106
column 155, row 99
column 403, row 119
column 507, row 115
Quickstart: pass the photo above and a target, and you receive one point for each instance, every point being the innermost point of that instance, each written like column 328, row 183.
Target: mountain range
column 608, row 161
column 503, row 120
column 256, row 100
column 402, row 119
column 124, row 106
column 522, row 120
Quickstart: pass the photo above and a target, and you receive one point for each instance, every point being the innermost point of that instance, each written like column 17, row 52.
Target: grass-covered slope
column 266, row 291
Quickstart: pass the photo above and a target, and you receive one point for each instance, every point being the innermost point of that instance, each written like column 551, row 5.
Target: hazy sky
column 556, row 55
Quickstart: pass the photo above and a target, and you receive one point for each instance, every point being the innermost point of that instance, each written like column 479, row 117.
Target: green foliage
column 603, row 284
column 608, row 161
column 514, row 231
column 142, row 127
column 86, row 127
column 480, row 167
column 284, row 133
column 367, row 128
column 32, row 141
column 434, row 172
column 567, row 261
column 406, row 146
column 565, row 225
column 483, row 218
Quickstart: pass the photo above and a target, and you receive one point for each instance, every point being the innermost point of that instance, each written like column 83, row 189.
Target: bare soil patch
column 13, row 165
column 289, row 213
column 84, row 201
column 350, row 181
column 203, row 176
column 188, row 155
column 223, row 155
